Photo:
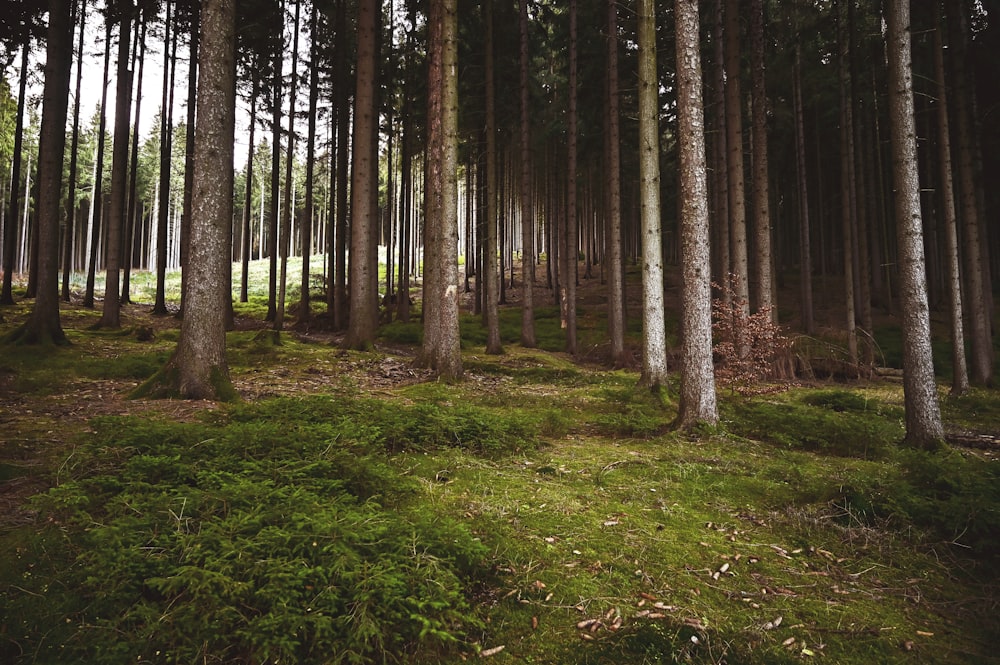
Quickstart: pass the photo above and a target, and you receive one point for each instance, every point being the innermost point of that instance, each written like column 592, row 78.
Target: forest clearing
column 351, row 509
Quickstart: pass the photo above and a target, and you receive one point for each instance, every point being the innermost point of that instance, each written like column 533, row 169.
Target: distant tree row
column 767, row 141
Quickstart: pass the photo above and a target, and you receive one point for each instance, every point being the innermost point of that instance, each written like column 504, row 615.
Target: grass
column 349, row 511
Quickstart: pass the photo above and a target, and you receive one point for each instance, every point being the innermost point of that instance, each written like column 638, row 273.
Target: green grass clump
column 238, row 543
column 831, row 422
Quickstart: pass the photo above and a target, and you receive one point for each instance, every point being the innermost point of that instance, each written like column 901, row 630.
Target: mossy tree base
column 172, row 382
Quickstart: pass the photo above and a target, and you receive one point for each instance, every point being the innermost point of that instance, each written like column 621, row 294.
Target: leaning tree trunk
column 697, row 401
column 923, row 414
column 654, row 336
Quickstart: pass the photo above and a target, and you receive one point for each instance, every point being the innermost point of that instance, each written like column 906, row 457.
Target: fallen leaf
column 486, row 653
column 789, row 642
column 586, row 623
column 534, row 623
column 924, row 633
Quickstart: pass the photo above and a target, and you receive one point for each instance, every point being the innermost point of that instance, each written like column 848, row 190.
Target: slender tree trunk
column 615, row 268
column 697, row 401
column 654, row 336
column 960, row 372
column 847, row 197
column 192, row 102
column 273, row 211
column 97, row 215
column 805, row 244
column 111, row 313
column 734, row 143
column 489, row 269
column 307, row 218
column 70, row 224
column 570, row 247
column 286, row 202
column 166, row 154
column 720, row 153
column 128, row 235
column 923, row 415
column 363, row 259
column 761, row 190
column 342, row 102
column 976, row 287
column 527, row 215
column 10, row 221
column 248, row 199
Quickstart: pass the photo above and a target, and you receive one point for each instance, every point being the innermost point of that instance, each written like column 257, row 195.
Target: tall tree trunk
column 363, row 257
column 489, row 269
column 527, row 215
column 960, row 372
column 192, row 101
column 248, row 199
column 923, row 414
column 166, row 154
column 128, row 229
column 70, row 223
column 342, row 92
column 976, row 287
column 720, row 153
column 847, row 192
column 763, row 261
column 570, row 247
column 97, row 208
column 43, row 325
column 615, row 268
column 273, row 211
column 697, row 401
column 734, row 143
column 441, row 350
column 286, row 202
column 307, row 218
column 654, row 335
column 198, row 368
column 111, row 312
column 10, row 220
column 805, row 244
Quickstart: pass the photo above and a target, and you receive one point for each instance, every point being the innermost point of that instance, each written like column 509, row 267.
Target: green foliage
column 832, row 422
column 250, row 539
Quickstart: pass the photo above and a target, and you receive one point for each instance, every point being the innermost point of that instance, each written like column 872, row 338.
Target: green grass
column 541, row 505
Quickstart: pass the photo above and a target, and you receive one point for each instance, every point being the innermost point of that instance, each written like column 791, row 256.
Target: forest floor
column 798, row 530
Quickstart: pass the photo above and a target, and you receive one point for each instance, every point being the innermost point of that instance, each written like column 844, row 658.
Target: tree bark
column 527, row 216
column 97, row 215
column 654, row 336
column 805, row 244
column 615, row 268
column 10, row 221
column 761, row 188
column 697, row 401
column 166, row 154
column 847, row 192
column 923, row 415
column 492, row 278
column 570, row 247
column 441, row 350
column 70, row 224
column 363, row 257
column 734, row 143
column 286, row 199
column 307, row 217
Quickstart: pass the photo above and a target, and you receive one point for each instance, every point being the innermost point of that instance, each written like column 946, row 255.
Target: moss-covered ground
column 350, row 510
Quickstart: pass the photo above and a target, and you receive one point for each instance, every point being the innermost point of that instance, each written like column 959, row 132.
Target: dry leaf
column 789, row 642
column 586, row 623
column 924, row 633
column 486, row 653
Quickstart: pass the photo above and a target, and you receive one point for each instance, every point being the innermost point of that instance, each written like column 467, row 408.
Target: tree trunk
column 923, row 415
column 70, row 223
column 273, row 210
column 960, row 372
column 97, row 215
column 654, row 336
column 847, row 193
column 441, row 350
column 805, row 244
column 307, row 217
column 363, row 257
column 166, row 154
column 615, row 269
column 198, row 368
column 286, row 202
column 489, row 269
column 761, row 190
column 734, row 143
column 128, row 228
column 697, row 401
column 111, row 312
column 43, row 325
column 570, row 247
column 527, row 216
column 248, row 198
column 10, row 222
column 192, row 101
column 342, row 103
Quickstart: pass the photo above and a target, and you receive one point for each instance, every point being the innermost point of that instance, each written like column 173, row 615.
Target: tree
column 363, row 267
column 43, row 325
column 761, row 188
column 492, row 278
column 286, row 199
column 697, row 402
column 441, row 350
column 613, row 224
column 198, row 367
column 70, row 225
column 734, row 144
column 111, row 311
column 654, row 336
column 166, row 152
column 527, row 216
column 570, row 248
column 10, row 219
column 923, row 414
